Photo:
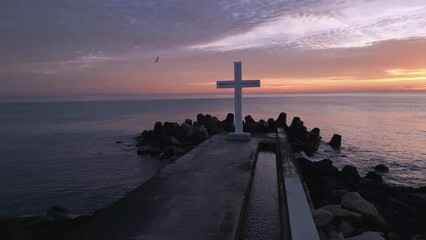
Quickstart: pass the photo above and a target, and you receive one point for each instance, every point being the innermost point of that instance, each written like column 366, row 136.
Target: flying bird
column 157, row 60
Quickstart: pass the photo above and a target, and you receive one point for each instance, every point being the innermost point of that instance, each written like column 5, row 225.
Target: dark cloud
column 60, row 30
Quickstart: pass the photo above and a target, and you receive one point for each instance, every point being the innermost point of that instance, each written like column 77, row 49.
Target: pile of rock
column 169, row 140
column 348, row 206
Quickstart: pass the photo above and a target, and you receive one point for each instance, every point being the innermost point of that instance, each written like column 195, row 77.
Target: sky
column 80, row 47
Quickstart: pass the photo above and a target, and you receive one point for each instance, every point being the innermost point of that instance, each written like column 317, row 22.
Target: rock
column 186, row 127
column 339, row 193
column 201, row 134
column 350, row 172
column 331, row 208
column 188, row 121
column 321, row 217
column 315, row 135
column 325, row 168
column 229, row 118
column 336, row 141
column 381, row 168
column 393, row 236
column 336, row 236
column 346, row 228
column 201, row 118
column 143, row 149
column 174, row 142
column 308, row 148
column 368, row 236
column 373, row 175
column 158, row 128
column 228, row 123
column 282, row 121
column 348, row 215
column 249, row 120
column 354, row 201
column 418, row 237
column 271, row 125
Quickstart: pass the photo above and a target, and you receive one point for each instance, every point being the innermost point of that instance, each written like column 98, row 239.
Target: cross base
column 238, row 137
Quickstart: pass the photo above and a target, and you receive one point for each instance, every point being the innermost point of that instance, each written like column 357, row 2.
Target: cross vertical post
column 238, row 84
column 238, row 99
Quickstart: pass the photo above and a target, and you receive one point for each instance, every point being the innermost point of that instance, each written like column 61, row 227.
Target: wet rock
column 354, row 201
column 373, row 175
column 368, row 236
column 308, row 148
column 350, row 172
column 321, row 217
column 381, row 168
column 346, row 228
column 314, row 135
column 336, row 141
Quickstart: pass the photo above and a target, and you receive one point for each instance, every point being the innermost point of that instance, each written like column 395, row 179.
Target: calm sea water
column 64, row 153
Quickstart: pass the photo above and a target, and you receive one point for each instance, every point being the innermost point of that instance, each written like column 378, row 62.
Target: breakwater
column 163, row 137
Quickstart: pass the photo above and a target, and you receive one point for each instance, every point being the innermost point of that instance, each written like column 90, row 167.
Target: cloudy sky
column 78, row 47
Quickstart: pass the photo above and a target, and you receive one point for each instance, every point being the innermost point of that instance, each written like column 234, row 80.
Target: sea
column 66, row 152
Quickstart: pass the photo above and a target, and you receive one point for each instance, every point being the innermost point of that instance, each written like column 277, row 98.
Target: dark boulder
column 373, row 175
column 336, row 141
column 249, row 120
column 381, row 168
column 350, row 172
column 314, row 135
column 229, row 118
column 158, row 128
column 272, row 127
column 228, row 123
column 308, row 148
column 188, row 121
column 282, row 121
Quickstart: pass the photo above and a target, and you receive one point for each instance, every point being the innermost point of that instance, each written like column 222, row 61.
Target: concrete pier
column 203, row 195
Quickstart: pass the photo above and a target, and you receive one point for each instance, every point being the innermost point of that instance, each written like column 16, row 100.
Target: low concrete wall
column 296, row 212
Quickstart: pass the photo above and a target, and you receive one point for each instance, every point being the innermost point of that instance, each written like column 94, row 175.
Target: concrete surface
column 199, row 197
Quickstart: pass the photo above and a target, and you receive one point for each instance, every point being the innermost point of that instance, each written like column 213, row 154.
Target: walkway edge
column 299, row 214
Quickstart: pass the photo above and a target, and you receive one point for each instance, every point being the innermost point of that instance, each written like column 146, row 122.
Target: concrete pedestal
column 238, row 137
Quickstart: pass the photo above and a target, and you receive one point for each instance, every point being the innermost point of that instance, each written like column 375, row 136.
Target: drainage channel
column 262, row 219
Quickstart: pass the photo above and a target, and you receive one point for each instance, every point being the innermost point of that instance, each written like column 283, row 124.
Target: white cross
column 238, row 84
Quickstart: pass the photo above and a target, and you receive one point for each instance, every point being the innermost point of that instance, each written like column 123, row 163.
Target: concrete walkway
column 199, row 197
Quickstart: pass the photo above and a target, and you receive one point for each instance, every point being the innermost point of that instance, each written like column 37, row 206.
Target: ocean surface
column 65, row 153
